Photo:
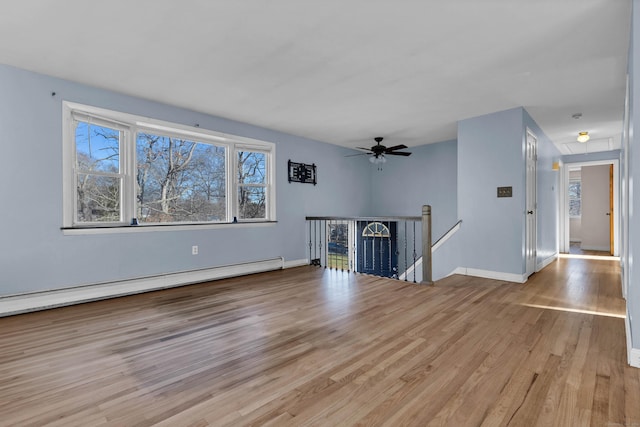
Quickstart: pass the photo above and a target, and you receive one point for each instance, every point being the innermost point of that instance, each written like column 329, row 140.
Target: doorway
column 589, row 217
column 377, row 248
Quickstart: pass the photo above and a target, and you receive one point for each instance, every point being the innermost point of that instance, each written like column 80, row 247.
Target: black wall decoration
column 301, row 172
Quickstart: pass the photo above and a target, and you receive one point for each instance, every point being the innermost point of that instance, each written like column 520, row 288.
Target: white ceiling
column 343, row 71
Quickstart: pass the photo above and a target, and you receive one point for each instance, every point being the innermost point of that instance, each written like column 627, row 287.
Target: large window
column 122, row 169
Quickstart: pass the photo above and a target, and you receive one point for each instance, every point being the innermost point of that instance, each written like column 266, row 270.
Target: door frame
column 531, row 205
column 564, row 202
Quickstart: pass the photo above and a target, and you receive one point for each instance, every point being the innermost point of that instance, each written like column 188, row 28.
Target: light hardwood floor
column 309, row 346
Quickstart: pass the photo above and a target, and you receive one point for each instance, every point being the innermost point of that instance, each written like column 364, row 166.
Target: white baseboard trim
column 546, row 262
column 486, row 274
column 17, row 304
column 595, row 248
column 455, row 271
column 296, row 263
column 634, row 357
column 633, row 354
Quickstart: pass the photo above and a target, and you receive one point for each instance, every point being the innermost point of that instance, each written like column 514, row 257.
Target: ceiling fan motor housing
column 380, row 150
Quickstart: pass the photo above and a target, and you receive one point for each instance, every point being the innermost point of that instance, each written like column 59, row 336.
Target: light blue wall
column 427, row 177
column 458, row 178
column 633, row 267
column 34, row 253
column 490, row 155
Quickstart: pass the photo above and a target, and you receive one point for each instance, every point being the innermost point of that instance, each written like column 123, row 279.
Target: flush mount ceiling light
column 583, row 136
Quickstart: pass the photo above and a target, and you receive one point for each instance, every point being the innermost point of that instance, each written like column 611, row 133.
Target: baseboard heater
column 24, row 303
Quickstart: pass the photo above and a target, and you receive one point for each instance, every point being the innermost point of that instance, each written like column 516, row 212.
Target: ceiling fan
column 378, row 151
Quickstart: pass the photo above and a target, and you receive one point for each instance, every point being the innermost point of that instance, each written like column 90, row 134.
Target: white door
column 596, row 213
column 530, row 212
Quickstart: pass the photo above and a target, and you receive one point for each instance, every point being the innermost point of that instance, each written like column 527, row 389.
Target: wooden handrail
column 446, row 236
column 363, row 218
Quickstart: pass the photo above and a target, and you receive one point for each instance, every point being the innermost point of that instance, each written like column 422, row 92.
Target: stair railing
column 385, row 246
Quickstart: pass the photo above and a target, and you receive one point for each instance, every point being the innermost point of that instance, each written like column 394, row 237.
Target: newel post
column 426, row 245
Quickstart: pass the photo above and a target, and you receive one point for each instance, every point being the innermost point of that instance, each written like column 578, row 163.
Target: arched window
column 376, row 229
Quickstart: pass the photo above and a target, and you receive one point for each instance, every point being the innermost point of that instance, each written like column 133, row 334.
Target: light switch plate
column 505, row 191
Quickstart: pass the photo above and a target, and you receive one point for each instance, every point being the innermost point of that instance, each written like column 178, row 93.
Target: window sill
column 115, row 229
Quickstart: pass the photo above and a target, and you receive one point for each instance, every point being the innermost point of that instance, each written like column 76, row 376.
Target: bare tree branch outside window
column 179, row 180
column 251, row 185
column 575, row 198
column 98, row 186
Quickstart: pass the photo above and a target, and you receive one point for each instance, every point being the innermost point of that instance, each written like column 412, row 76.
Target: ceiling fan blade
column 397, row 153
column 396, row 147
column 361, row 148
column 359, row 154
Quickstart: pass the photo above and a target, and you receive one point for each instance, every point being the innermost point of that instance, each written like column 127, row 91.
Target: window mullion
column 233, row 189
column 129, row 179
column 270, row 186
column 70, row 178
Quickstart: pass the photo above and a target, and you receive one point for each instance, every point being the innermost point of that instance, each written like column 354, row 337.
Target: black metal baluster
column 323, row 236
column 373, row 251
column 364, row 249
column 332, row 229
column 335, row 254
column 328, row 241
column 354, row 240
column 346, row 246
column 360, row 255
column 310, row 259
column 406, row 267
column 390, row 246
column 316, row 225
column 415, row 255
column 315, row 241
column 338, row 257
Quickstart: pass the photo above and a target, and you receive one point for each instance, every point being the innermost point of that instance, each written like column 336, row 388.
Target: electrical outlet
column 194, row 250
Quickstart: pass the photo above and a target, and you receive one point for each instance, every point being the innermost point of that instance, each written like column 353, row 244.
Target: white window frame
column 269, row 185
column 124, row 173
column 130, row 125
